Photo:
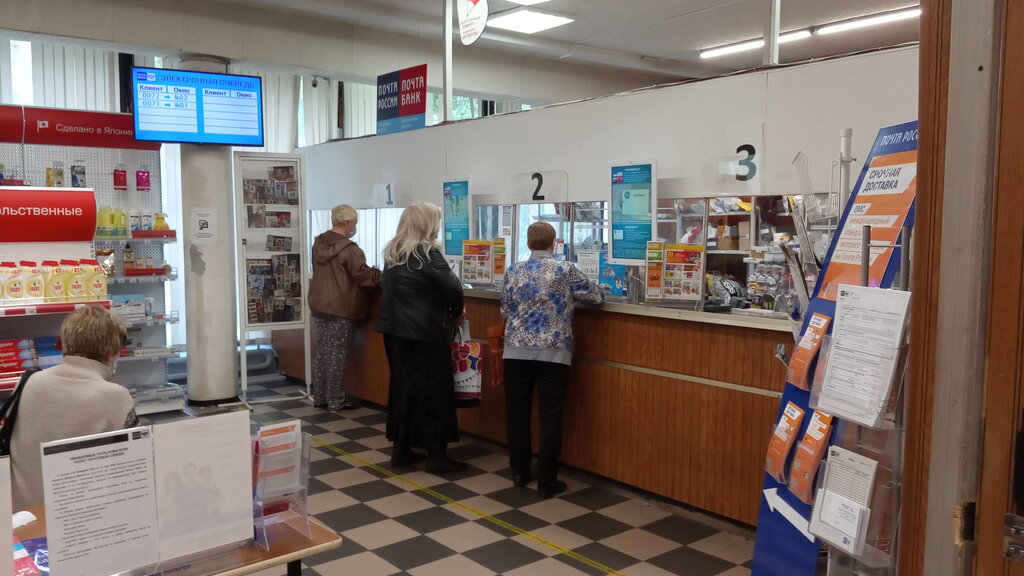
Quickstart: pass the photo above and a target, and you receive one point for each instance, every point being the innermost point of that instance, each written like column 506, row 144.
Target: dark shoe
column 441, row 464
column 346, row 405
column 406, row 458
column 548, row 489
column 520, row 479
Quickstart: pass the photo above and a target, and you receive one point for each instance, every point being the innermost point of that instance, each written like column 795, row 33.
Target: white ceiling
column 654, row 35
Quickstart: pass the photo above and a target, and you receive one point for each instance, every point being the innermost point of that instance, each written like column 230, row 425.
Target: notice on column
column 100, row 503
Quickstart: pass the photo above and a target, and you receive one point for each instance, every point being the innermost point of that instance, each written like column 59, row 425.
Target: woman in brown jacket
column 337, row 301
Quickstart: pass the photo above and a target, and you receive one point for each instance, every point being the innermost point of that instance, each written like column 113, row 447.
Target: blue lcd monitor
column 197, row 107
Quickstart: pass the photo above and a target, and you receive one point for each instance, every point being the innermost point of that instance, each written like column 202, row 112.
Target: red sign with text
column 47, row 215
column 58, row 127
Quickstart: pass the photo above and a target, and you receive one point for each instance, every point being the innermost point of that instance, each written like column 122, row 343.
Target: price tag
column 30, row 310
column 3, row 312
column 543, row 187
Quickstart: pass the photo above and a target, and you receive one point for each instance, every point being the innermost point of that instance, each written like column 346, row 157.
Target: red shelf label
column 47, row 215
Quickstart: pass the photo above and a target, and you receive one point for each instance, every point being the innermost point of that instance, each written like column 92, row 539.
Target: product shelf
column 171, row 318
column 728, row 251
column 155, row 277
column 118, row 242
column 50, row 308
column 138, row 354
column 740, row 213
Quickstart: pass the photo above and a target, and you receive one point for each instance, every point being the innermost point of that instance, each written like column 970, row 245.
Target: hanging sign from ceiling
column 472, row 19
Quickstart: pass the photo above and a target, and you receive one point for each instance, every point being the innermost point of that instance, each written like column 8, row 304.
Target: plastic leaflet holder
column 281, row 454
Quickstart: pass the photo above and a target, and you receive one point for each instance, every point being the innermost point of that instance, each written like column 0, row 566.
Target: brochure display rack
column 272, row 250
column 96, row 152
column 850, row 394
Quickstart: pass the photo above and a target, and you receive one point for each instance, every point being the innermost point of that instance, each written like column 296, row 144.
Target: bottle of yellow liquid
column 104, row 222
column 160, row 221
column 54, row 281
column 96, row 280
column 77, row 288
column 35, row 287
column 120, row 223
column 13, row 283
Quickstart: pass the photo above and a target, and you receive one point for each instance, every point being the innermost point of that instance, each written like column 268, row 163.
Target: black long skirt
column 421, row 411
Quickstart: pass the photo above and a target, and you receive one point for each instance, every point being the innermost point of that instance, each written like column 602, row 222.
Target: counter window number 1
column 540, row 182
column 747, row 162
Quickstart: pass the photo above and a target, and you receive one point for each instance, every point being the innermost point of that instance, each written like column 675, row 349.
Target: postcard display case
column 92, row 163
column 272, row 251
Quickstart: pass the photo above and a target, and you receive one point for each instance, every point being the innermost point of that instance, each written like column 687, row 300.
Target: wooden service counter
column 674, row 402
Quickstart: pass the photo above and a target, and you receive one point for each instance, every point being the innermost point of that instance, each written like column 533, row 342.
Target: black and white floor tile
column 476, row 523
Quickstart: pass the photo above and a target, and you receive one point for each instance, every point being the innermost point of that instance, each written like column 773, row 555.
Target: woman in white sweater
column 74, row 398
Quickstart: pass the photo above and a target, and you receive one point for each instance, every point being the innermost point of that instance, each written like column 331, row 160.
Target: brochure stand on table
column 282, row 479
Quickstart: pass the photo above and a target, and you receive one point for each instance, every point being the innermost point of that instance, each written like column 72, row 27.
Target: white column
column 209, row 269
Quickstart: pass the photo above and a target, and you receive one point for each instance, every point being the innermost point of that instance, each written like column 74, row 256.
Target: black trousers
column 551, row 380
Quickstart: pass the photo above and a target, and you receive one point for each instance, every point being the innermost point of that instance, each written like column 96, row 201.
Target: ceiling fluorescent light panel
column 866, row 21
column 526, row 21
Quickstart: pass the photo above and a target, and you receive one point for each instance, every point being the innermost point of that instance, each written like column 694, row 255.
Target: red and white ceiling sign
column 472, row 19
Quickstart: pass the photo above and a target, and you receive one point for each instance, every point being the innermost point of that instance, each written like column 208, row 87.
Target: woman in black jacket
column 421, row 303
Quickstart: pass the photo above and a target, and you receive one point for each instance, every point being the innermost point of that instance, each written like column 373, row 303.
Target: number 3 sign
column 738, row 170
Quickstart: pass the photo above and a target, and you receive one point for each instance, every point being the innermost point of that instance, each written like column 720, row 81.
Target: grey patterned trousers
column 330, row 356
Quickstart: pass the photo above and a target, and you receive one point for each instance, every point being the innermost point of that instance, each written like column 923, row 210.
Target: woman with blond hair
column 421, row 304
column 337, row 301
column 74, row 398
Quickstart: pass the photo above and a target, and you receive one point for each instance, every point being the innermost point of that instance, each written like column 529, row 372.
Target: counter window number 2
column 747, row 162
column 540, row 182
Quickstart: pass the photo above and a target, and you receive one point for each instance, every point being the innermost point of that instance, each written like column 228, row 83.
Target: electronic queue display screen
column 197, row 107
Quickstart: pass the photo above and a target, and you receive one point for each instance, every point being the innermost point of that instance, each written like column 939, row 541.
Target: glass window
column 21, row 72
column 376, row 227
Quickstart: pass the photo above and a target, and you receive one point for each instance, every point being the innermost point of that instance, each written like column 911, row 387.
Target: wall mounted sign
column 402, row 100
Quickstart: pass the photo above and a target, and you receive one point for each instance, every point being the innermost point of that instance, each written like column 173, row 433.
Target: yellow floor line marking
column 470, row 509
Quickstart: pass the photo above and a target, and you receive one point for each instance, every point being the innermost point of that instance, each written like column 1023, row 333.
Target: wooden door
column 1004, row 374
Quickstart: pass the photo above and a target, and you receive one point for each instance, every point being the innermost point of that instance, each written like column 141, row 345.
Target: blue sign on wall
column 456, row 216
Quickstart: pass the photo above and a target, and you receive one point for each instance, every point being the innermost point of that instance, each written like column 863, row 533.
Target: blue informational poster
column 456, row 216
column 402, row 100
column 613, row 277
column 784, row 547
column 633, row 205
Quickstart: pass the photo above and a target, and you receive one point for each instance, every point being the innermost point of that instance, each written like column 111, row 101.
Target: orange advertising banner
column 883, row 202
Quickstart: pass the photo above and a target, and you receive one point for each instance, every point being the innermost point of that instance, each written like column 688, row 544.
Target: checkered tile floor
column 406, row 521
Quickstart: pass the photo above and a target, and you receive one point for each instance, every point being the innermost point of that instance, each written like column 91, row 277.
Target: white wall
column 688, row 129
column 329, row 48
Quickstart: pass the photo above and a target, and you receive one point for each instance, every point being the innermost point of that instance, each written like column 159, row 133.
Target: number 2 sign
column 541, row 187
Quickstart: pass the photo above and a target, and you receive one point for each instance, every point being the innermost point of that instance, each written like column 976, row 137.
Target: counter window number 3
column 540, row 182
column 747, row 163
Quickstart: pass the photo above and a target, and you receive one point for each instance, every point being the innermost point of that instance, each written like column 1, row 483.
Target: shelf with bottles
column 169, row 237
column 150, row 275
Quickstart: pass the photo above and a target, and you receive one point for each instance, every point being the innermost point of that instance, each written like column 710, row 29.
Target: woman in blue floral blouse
column 537, row 303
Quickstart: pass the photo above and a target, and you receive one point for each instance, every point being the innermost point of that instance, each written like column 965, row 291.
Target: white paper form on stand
column 204, row 470
column 841, row 511
column 866, row 338
column 100, row 503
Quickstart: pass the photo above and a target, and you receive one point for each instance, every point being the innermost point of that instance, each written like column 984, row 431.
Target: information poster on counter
column 500, row 262
column 633, row 210
column 456, row 216
column 100, row 503
column 478, row 261
column 655, row 270
column 281, row 456
column 684, row 272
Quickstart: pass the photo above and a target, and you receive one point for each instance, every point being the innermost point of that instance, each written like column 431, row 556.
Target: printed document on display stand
column 841, row 512
column 866, row 341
